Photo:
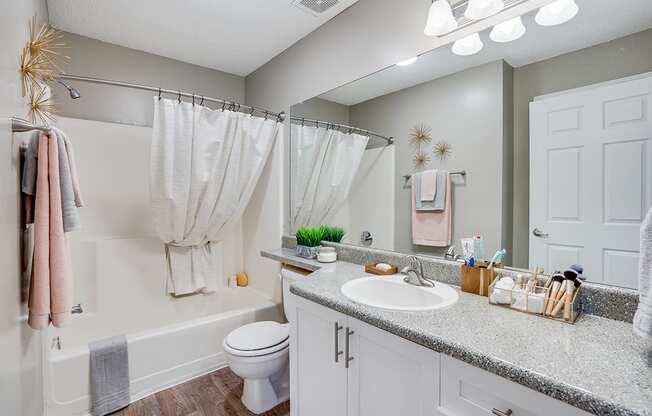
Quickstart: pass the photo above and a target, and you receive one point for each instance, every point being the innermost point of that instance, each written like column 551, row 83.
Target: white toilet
column 259, row 353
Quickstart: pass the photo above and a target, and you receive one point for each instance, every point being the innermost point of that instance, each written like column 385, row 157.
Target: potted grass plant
column 332, row 234
column 308, row 241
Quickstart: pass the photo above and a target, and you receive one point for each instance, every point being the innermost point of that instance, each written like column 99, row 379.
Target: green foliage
column 333, row 234
column 309, row 236
column 313, row 236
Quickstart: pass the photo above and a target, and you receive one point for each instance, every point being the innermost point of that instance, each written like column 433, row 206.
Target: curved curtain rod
column 225, row 103
column 327, row 124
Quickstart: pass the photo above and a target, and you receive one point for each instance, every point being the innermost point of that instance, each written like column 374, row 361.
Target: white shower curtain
column 204, row 167
column 323, row 164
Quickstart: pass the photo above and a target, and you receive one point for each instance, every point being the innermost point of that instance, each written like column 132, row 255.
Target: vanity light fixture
column 556, row 13
column 508, row 31
column 440, row 19
column 407, row 61
column 480, row 9
column 469, row 45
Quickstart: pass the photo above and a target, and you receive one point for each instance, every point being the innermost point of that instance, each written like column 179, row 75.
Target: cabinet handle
column 497, row 412
column 337, row 328
column 347, row 358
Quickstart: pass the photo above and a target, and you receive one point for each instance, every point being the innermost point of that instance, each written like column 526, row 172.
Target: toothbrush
column 497, row 258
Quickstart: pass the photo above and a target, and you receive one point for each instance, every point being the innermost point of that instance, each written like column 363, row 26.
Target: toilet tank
column 290, row 275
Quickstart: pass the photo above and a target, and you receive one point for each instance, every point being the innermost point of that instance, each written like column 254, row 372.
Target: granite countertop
column 597, row 365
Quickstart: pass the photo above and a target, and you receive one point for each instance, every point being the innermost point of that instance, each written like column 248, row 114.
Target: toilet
column 259, row 354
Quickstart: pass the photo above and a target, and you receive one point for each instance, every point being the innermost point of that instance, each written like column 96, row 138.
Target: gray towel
column 109, row 377
column 68, row 205
column 439, row 203
column 440, row 196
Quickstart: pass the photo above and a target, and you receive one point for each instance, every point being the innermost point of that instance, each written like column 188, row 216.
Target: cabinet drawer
column 470, row 391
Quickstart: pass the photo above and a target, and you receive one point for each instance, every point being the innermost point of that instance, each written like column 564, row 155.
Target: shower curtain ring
column 202, row 100
column 266, row 114
column 251, row 113
column 303, row 120
column 159, row 93
column 179, row 97
column 193, row 98
column 223, row 105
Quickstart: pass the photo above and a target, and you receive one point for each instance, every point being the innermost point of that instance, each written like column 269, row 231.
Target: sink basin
column 391, row 292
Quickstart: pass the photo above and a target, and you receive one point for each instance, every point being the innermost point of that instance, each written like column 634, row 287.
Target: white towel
column 643, row 316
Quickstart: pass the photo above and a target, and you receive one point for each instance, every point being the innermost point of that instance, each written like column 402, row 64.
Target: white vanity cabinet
column 375, row 373
column 340, row 366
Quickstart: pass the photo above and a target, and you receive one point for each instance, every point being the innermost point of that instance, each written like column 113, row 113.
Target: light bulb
column 440, row 19
column 557, row 13
column 508, row 31
column 469, row 45
column 479, row 9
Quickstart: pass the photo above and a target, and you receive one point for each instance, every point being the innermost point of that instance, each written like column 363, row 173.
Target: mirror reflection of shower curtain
column 204, row 167
column 323, row 165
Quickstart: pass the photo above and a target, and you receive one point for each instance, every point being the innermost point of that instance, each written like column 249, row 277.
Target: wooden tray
column 371, row 268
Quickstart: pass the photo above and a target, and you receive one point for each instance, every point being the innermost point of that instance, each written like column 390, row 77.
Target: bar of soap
column 383, row 266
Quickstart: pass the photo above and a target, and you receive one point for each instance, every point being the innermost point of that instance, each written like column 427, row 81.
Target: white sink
column 391, row 292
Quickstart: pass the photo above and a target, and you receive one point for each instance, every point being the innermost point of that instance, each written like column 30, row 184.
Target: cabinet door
column 388, row 375
column 317, row 381
column 470, row 391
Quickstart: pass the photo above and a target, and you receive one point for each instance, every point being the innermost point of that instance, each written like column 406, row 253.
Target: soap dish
column 371, row 268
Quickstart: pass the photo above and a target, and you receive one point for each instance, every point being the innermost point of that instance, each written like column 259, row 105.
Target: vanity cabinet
column 340, row 366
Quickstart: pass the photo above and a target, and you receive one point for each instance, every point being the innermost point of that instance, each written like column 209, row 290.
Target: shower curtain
column 323, row 164
column 204, row 167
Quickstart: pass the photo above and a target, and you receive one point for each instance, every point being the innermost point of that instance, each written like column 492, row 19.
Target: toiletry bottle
column 478, row 247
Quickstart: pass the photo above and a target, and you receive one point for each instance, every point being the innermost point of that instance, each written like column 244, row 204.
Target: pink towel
column 51, row 289
column 428, row 185
column 432, row 228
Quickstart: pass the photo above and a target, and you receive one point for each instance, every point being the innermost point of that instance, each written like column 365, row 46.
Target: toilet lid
column 258, row 336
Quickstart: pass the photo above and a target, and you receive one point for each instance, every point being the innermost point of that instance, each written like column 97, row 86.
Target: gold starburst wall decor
column 420, row 159
column 41, row 58
column 47, row 42
column 41, row 105
column 420, row 134
column 442, row 150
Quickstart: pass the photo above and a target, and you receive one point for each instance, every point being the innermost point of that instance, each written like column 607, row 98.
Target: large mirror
column 540, row 145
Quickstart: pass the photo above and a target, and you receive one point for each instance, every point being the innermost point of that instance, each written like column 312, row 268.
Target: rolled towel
column 502, row 291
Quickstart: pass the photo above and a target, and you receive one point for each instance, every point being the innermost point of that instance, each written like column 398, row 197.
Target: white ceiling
column 234, row 36
column 598, row 21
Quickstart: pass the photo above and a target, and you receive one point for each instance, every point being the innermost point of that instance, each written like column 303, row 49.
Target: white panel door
column 318, row 380
column 388, row 375
column 591, row 179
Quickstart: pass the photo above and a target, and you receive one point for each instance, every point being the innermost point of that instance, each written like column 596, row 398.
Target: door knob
column 538, row 233
column 497, row 412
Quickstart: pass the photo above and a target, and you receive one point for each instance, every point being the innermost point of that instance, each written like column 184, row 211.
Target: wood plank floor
column 215, row 394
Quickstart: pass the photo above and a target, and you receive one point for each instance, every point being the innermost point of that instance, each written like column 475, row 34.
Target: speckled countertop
column 597, row 365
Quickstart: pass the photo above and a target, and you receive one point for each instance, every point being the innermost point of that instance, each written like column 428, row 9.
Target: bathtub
column 158, row 358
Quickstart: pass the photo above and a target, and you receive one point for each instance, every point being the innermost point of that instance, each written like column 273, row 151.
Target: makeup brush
column 569, row 288
column 557, row 280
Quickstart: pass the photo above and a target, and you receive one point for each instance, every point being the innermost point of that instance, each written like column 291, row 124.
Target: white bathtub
column 158, row 358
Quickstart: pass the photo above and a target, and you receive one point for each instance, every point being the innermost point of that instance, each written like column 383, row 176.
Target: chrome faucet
column 414, row 273
column 451, row 255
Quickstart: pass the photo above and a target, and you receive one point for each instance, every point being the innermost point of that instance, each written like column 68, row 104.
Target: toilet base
column 263, row 394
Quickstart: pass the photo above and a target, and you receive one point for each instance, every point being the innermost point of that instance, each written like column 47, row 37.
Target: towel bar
column 458, row 172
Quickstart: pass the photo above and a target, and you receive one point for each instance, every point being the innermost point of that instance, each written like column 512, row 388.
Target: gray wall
column 612, row 60
column 20, row 347
column 466, row 110
column 93, row 58
column 320, row 109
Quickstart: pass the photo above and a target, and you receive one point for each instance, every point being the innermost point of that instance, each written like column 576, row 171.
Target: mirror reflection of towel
column 432, row 228
column 438, row 203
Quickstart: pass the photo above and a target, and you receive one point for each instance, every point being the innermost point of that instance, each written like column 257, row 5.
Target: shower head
column 74, row 92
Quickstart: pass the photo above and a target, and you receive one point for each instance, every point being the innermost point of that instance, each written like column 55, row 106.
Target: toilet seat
column 257, row 339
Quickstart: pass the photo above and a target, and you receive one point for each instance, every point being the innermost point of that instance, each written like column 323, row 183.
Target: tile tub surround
column 597, row 365
column 599, row 300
